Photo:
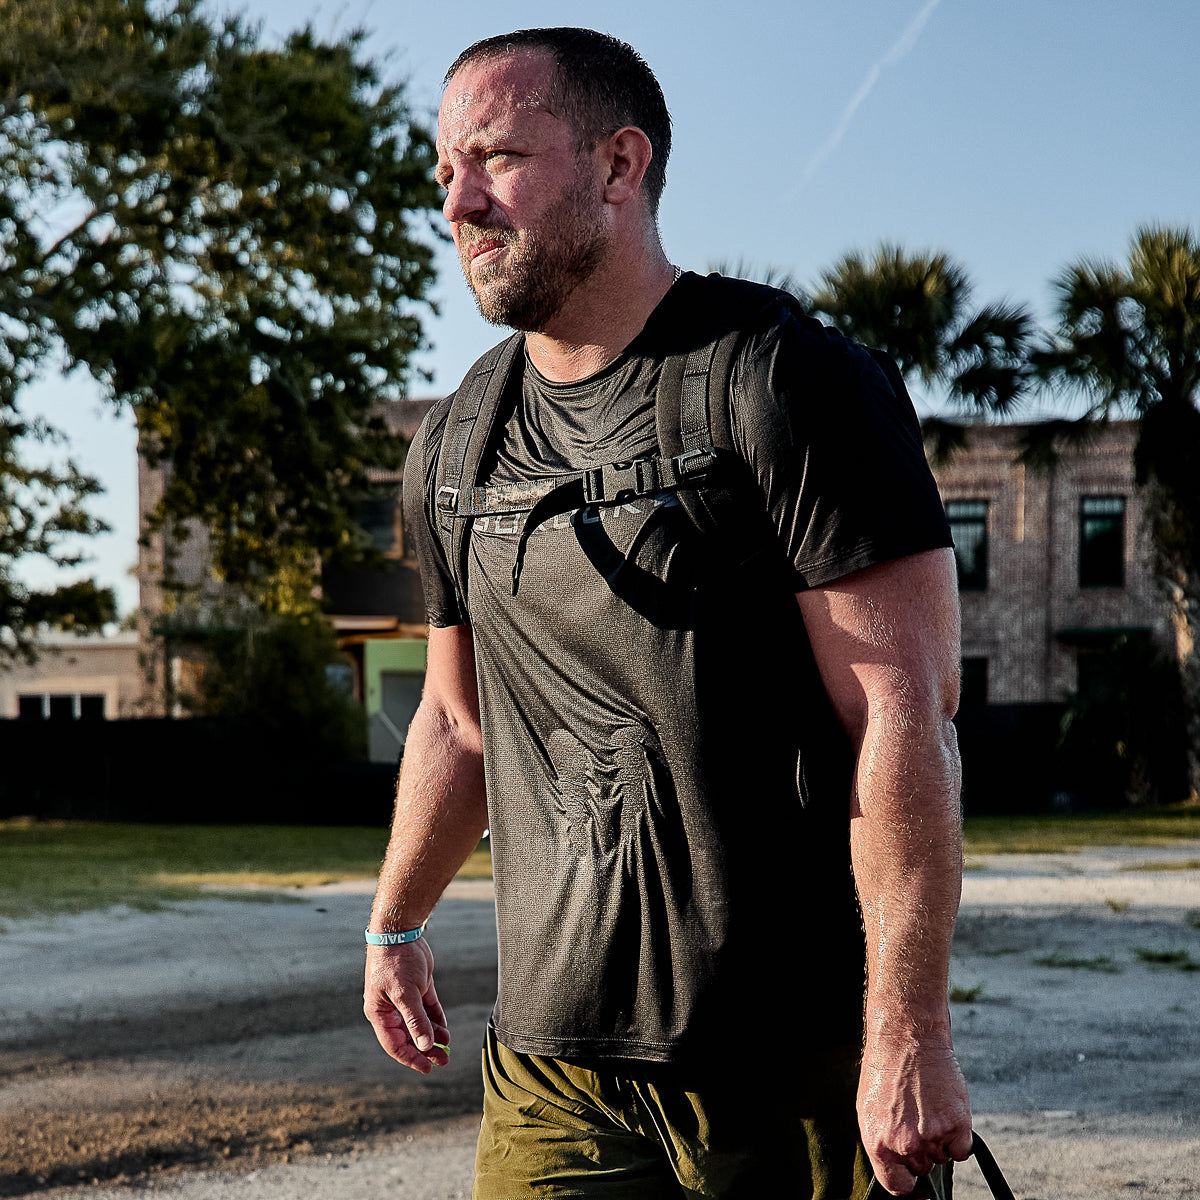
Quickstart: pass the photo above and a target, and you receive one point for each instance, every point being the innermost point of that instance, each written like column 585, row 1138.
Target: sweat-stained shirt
column 668, row 787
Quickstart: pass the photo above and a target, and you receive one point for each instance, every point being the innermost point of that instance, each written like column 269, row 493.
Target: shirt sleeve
column 836, row 451
column 442, row 602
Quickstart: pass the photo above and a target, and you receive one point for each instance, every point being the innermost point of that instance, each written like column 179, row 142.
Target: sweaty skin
column 886, row 643
column 440, row 816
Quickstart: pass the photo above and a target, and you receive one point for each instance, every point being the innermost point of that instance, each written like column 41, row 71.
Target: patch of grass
column 1053, row 834
column 1102, row 962
column 1182, row 864
column 965, row 995
column 1180, row 959
column 479, row 864
column 1118, row 905
column 55, row 867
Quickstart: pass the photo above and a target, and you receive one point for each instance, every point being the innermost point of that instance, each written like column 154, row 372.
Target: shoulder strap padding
column 692, row 408
column 473, row 414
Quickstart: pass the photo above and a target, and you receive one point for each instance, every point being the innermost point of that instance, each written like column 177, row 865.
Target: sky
column 1015, row 135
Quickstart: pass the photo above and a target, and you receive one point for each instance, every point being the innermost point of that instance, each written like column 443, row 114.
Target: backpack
column 697, row 458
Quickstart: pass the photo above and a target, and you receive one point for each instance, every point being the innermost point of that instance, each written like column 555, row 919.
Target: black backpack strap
column 614, row 483
column 469, row 424
column 692, row 406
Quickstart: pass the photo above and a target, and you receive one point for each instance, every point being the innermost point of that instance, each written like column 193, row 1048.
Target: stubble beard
column 532, row 281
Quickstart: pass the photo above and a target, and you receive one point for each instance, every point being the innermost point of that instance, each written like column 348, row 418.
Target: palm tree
column 1128, row 337
column 917, row 307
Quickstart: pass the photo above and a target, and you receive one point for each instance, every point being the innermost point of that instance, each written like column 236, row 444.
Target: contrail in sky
column 906, row 41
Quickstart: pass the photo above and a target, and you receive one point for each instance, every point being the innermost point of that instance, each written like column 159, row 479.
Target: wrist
column 916, row 1024
column 400, row 937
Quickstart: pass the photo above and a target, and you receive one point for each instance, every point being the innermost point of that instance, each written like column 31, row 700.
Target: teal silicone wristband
column 394, row 939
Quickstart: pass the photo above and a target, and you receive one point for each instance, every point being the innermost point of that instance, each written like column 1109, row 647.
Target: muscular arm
column 440, row 816
column 886, row 641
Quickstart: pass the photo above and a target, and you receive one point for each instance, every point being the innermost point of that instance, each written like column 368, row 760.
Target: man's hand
column 401, row 1003
column 912, row 1109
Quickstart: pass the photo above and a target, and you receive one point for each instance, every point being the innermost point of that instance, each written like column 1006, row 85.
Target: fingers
column 959, row 1146
column 396, row 1039
column 402, row 1005
column 901, row 1174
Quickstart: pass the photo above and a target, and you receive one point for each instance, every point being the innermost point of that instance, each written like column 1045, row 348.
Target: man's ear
column 626, row 154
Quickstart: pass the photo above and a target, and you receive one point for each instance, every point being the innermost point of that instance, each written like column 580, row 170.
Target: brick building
column 1053, row 563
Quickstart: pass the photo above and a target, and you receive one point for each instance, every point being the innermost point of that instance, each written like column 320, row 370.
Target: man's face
column 524, row 204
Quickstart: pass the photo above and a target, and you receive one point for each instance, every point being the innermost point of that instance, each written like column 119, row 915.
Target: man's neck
column 601, row 318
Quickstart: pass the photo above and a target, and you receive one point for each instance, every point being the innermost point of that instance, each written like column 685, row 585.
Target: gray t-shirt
column 668, row 787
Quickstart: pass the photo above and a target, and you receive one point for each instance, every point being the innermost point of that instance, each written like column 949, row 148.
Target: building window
column 974, row 682
column 969, row 528
column 1102, row 541
column 60, row 706
column 379, row 515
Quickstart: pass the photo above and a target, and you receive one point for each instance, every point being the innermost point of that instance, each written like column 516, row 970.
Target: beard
column 542, row 266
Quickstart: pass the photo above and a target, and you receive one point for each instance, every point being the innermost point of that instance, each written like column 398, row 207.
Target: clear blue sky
column 1014, row 134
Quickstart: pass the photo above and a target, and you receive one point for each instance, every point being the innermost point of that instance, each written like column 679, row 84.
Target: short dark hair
column 603, row 84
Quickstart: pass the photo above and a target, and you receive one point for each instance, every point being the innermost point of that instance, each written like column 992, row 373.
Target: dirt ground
column 218, row 1049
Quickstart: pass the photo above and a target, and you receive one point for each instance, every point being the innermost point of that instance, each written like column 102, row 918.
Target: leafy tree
column 40, row 508
column 1128, row 337
column 274, row 679
column 233, row 240
column 917, row 307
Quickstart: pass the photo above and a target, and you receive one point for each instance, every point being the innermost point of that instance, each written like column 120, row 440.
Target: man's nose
column 466, row 197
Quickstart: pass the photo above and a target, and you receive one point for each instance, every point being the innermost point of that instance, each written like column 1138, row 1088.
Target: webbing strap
column 610, row 484
column 543, row 499
column 466, row 435
column 473, row 391
column 694, row 425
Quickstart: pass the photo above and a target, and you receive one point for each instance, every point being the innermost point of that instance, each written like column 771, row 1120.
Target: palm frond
column 1041, row 444
column 943, row 439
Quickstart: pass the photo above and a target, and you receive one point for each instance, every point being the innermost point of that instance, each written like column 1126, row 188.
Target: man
column 674, row 750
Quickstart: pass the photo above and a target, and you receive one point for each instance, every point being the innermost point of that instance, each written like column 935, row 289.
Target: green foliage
column 965, row 995
column 231, row 239
column 1071, row 962
column 40, row 509
column 1179, row 959
column 62, row 867
column 1061, row 834
column 1128, row 338
column 1130, row 335
column 277, row 676
column 917, row 307
column 52, row 867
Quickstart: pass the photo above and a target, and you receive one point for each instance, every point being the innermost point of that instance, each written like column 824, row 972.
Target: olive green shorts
column 555, row 1128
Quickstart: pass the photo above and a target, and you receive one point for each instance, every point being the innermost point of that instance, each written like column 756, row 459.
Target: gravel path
column 217, row 1051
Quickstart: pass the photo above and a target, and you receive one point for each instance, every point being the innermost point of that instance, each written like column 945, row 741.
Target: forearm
column 906, row 844
column 441, row 813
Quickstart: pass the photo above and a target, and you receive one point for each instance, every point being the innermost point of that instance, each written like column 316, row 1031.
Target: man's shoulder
column 751, row 317
column 433, row 424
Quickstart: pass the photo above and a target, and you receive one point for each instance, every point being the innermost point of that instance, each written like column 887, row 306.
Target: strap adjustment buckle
column 695, row 465
column 447, row 499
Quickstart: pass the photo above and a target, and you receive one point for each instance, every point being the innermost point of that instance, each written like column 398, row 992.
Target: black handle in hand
column 992, row 1174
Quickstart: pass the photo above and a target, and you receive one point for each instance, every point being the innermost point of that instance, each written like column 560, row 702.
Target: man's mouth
column 484, row 248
